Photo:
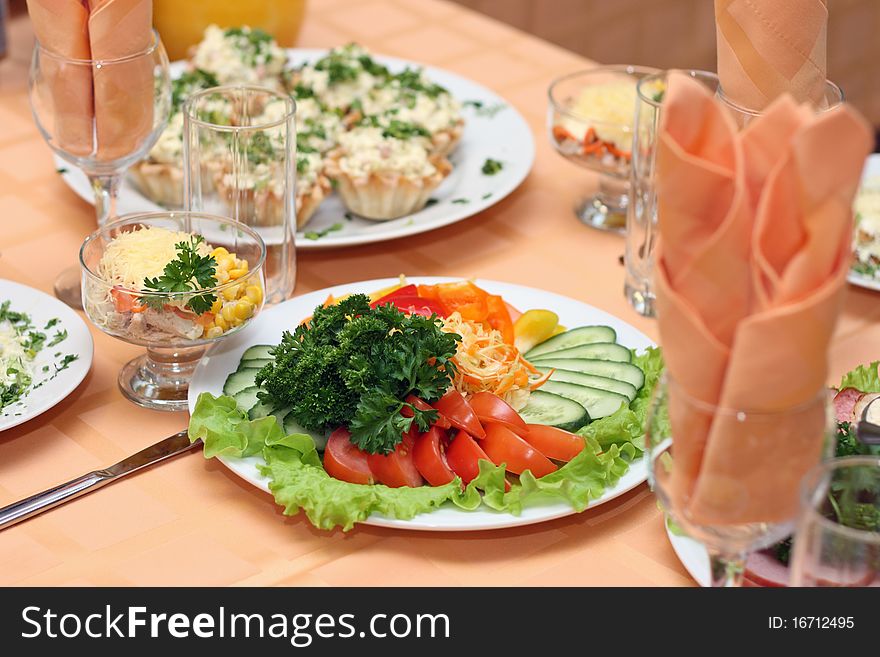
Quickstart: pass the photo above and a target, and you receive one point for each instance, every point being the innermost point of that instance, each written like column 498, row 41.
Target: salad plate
column 59, row 341
column 868, row 238
column 214, row 368
column 493, row 130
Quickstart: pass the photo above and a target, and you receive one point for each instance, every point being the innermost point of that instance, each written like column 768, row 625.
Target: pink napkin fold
column 755, row 232
column 770, row 47
column 105, row 111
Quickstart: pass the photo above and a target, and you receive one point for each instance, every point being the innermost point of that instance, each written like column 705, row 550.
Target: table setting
column 311, row 307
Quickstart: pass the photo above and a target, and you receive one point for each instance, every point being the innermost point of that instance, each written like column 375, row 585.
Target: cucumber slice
column 591, row 380
column 260, row 409
column 573, row 338
column 291, row 426
column 607, row 368
column 280, row 414
column 596, row 351
column 258, row 352
column 238, row 381
column 554, row 410
column 247, row 398
column 599, row 403
column 256, row 364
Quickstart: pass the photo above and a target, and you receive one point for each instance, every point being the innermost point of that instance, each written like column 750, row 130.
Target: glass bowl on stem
column 590, row 123
column 174, row 330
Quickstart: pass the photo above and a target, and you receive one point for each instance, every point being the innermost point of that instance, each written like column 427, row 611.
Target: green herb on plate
column 491, row 167
column 318, row 234
column 460, row 201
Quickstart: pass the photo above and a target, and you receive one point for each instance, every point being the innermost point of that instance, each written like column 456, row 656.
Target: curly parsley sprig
column 189, row 272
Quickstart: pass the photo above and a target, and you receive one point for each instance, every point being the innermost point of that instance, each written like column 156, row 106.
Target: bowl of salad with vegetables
column 173, row 282
column 427, row 398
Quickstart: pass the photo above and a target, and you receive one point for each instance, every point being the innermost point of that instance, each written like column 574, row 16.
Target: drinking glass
column 641, row 217
column 726, row 509
column 590, row 123
column 831, row 98
column 175, row 337
column 838, row 533
column 101, row 116
column 239, row 151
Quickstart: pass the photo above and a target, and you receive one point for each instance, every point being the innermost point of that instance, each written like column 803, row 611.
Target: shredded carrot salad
column 486, row 363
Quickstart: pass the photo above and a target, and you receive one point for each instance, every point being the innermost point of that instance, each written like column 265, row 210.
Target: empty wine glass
column 739, row 494
column 838, row 534
column 102, row 116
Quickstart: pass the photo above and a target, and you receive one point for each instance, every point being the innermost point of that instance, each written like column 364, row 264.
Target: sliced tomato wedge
column 463, row 455
column 459, row 413
column 554, row 443
column 491, row 408
column 345, row 461
column 429, row 456
column 405, row 291
column 504, row 446
column 422, row 405
column 396, row 469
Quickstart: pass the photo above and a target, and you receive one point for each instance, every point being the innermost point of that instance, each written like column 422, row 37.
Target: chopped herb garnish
column 486, row 195
column 178, row 276
column 52, row 322
column 460, row 201
column 430, row 202
column 188, row 83
column 60, row 336
column 316, row 235
column 348, row 216
column 658, row 97
column 61, row 170
column 476, row 104
column 491, row 167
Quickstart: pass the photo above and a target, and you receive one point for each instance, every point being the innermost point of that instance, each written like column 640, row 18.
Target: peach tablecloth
column 192, row 522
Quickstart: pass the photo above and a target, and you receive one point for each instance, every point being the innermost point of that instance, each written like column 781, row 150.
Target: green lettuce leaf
column 226, row 430
column 864, row 378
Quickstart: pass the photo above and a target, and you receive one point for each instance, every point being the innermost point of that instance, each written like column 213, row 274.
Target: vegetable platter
column 430, row 404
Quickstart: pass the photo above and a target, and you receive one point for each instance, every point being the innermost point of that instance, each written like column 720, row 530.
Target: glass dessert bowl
column 175, row 283
column 590, row 122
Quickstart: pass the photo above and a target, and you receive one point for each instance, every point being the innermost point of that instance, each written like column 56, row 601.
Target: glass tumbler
column 239, row 150
column 831, row 98
column 641, row 216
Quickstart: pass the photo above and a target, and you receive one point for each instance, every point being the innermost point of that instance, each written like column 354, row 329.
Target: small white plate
column 268, row 327
column 693, row 557
column 496, row 131
column 42, row 308
column 871, row 170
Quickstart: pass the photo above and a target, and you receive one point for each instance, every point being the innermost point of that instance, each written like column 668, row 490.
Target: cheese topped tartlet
column 240, row 55
column 866, row 245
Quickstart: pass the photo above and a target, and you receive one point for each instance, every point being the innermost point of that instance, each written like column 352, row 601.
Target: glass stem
column 727, row 568
column 106, row 190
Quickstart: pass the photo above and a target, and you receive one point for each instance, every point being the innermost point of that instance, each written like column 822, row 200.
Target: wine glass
column 838, row 533
column 101, row 116
column 731, row 504
column 175, row 331
column 590, row 123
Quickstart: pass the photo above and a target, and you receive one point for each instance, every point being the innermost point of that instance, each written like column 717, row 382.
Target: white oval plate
column 42, row 308
column 268, row 326
column 872, row 169
column 504, row 136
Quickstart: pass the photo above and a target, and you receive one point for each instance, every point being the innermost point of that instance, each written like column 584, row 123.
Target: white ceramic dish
column 495, row 131
column 871, row 170
column 267, row 328
column 42, row 308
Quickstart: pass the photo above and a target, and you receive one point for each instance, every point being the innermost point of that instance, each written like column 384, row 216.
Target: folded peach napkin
column 769, row 47
column 755, row 232
column 100, row 111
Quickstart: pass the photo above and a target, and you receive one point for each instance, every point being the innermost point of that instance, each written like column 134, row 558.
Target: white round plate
column 42, row 308
column 495, row 131
column 693, row 557
column 268, row 326
column 871, row 170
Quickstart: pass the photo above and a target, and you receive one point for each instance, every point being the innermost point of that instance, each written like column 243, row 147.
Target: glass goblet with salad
column 173, row 282
column 590, row 119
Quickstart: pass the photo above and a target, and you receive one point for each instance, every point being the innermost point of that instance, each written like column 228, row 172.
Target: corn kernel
column 222, row 276
column 221, row 323
column 244, row 309
column 230, row 293
column 216, row 306
column 228, row 312
column 235, row 322
column 214, row 332
column 219, row 252
column 241, row 264
column 237, row 273
column 254, row 294
column 226, row 262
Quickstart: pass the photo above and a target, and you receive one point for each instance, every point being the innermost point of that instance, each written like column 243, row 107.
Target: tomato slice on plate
column 463, row 455
column 397, row 468
column 491, row 408
column 422, row 405
column 459, row 413
column 504, row 446
column 429, row 456
column 417, row 306
column 346, row 461
column 554, row 443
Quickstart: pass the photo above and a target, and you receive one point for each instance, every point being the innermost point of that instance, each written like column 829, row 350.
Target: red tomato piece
column 459, row 413
column 429, row 456
column 418, row 306
column 345, row 461
column 422, row 405
column 463, row 455
column 397, row 468
column 504, row 446
column 405, row 291
column 554, row 443
column 491, row 408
